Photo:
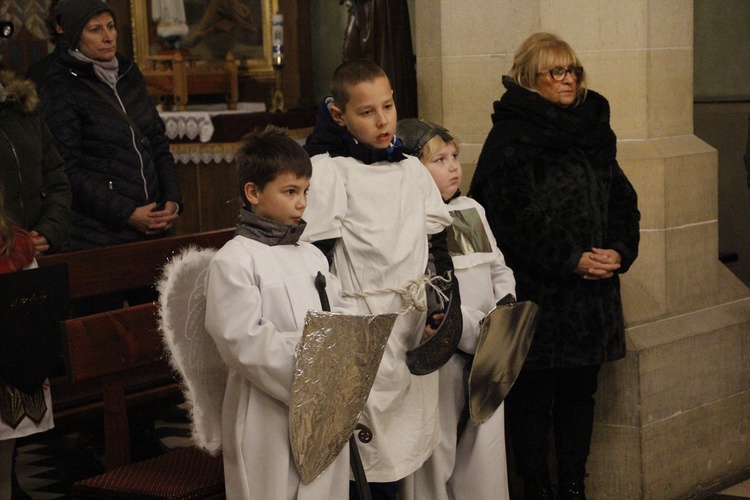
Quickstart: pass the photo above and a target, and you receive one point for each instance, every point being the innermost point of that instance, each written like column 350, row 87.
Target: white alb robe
column 256, row 300
column 382, row 214
column 475, row 467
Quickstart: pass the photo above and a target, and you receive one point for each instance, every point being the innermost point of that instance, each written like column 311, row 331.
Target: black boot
column 537, row 490
column 571, row 490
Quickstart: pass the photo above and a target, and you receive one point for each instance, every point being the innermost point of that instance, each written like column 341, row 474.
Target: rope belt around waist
column 413, row 292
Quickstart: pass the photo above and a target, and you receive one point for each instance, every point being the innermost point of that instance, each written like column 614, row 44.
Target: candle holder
column 277, row 59
column 277, row 99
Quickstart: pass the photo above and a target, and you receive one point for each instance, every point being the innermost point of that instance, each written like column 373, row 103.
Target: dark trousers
column 557, row 399
column 378, row 491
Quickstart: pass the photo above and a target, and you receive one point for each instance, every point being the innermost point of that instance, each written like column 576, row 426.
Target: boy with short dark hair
column 379, row 206
column 259, row 287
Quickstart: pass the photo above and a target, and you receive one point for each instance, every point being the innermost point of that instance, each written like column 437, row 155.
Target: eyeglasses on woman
column 559, row 73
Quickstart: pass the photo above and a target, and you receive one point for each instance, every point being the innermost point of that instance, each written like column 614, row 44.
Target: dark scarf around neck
column 337, row 141
column 268, row 231
column 526, row 125
column 527, row 117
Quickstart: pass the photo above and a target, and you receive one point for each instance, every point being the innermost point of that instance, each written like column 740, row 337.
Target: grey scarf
column 107, row 71
column 268, row 231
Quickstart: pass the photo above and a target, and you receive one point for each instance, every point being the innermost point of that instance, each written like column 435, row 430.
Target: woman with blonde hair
column 566, row 219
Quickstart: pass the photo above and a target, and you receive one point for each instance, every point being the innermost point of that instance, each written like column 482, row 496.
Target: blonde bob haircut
column 545, row 50
column 433, row 146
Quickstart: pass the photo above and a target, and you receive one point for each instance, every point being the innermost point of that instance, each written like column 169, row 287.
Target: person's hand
column 433, row 323
column 149, row 221
column 599, row 263
column 161, row 220
column 41, row 244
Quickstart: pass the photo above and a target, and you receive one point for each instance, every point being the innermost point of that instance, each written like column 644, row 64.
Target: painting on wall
column 219, row 26
column 205, row 29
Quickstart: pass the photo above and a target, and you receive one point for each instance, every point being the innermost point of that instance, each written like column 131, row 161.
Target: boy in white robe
column 259, row 286
column 379, row 206
column 469, row 461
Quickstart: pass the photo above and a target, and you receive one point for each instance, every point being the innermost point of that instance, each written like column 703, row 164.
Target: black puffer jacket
column 37, row 193
column 549, row 181
column 111, row 172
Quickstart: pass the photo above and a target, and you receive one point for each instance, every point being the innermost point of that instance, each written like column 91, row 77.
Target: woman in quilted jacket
column 109, row 133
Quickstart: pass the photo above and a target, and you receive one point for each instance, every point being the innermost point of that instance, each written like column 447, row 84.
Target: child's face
column 445, row 169
column 284, row 199
column 370, row 114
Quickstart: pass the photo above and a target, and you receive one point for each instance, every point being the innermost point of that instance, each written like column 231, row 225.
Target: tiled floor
column 48, row 465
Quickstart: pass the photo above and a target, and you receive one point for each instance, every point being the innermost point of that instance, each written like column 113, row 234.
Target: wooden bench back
column 105, row 270
column 108, row 346
column 117, row 350
column 111, row 342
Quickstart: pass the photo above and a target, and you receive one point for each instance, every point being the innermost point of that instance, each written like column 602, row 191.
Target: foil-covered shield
column 504, row 341
column 337, row 360
column 467, row 234
column 434, row 352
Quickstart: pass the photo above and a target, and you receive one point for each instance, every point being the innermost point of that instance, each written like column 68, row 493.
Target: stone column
column 673, row 417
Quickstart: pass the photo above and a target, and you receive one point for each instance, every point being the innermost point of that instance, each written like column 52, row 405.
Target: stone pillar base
column 673, row 417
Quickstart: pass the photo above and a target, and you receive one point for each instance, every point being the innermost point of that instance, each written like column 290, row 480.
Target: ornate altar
column 178, row 74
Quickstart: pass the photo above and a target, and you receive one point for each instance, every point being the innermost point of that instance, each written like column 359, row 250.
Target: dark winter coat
column 111, row 171
column 549, row 181
column 37, row 193
column 38, row 71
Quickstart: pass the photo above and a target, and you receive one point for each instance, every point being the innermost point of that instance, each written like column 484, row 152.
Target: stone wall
column 673, row 418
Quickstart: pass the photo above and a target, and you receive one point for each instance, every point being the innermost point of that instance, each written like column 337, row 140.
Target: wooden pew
column 143, row 374
column 105, row 270
column 108, row 347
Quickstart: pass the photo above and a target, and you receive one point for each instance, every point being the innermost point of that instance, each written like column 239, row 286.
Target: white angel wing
column 191, row 349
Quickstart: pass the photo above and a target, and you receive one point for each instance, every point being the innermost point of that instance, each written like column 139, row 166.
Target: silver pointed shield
column 337, row 360
column 504, row 341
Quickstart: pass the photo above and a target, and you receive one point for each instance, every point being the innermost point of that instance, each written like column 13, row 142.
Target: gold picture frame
column 252, row 53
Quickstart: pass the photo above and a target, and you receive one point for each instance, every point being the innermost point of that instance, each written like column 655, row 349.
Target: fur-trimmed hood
column 18, row 91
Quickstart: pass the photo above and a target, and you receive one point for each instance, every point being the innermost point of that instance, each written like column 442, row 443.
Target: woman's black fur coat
column 549, row 181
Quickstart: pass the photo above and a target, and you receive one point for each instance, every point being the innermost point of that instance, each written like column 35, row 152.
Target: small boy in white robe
column 259, row 286
column 469, row 461
column 379, row 206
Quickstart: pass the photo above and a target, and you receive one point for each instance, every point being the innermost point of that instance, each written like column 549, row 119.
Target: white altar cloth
column 195, row 121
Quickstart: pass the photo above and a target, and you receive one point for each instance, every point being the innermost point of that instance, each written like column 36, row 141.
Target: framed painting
column 207, row 30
